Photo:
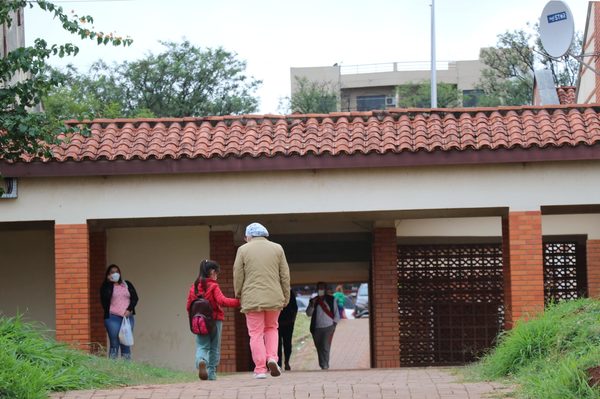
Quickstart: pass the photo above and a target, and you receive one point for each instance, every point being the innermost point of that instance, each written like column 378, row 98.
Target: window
column 368, row 103
column 471, row 97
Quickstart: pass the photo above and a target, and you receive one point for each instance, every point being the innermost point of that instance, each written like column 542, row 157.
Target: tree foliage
column 508, row 76
column 311, row 97
column 418, row 95
column 184, row 80
column 24, row 81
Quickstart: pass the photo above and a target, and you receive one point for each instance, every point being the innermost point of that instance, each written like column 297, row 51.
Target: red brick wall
column 72, row 282
column 97, row 269
column 383, row 296
column 593, row 268
column 244, row 357
column 222, row 250
column 524, row 278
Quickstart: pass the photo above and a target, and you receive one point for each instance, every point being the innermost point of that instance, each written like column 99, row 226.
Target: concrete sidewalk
column 417, row 383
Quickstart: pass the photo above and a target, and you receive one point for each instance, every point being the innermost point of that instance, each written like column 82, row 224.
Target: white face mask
column 321, row 292
column 115, row 277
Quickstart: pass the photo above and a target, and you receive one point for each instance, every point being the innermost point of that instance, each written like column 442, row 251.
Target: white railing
column 395, row 67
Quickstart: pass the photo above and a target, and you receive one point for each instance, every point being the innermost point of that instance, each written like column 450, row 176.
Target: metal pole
column 433, row 60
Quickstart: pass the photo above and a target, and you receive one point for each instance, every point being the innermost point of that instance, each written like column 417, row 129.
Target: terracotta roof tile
column 566, row 94
column 380, row 132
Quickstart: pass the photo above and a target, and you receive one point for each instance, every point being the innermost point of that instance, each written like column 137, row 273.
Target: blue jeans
column 208, row 348
column 113, row 325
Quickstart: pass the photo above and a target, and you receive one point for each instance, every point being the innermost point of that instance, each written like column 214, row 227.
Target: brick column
column 97, row 269
column 383, row 296
column 72, row 282
column 222, row 250
column 593, row 268
column 523, row 265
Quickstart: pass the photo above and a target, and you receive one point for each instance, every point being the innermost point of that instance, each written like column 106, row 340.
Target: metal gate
column 451, row 302
column 565, row 273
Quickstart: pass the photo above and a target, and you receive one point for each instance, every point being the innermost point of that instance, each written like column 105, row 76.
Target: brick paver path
column 350, row 350
column 422, row 383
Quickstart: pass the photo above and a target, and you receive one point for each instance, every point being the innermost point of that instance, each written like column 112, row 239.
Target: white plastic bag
column 126, row 333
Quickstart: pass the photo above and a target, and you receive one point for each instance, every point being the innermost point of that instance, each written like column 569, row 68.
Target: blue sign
column 559, row 16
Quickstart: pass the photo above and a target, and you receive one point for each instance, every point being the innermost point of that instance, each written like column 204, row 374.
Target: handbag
column 126, row 333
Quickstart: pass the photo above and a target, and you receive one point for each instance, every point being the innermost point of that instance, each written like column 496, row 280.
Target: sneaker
column 274, row 368
column 202, row 372
column 260, row 376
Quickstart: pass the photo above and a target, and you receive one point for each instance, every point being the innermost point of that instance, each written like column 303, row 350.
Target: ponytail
column 206, row 266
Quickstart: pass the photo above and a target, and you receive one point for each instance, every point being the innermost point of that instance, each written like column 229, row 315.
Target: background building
column 13, row 37
column 373, row 86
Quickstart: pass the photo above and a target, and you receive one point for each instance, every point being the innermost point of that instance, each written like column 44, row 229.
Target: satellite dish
column 556, row 28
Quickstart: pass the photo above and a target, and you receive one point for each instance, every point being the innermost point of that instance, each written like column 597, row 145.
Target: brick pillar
column 72, row 282
column 244, row 357
column 383, row 296
column 97, row 269
column 523, row 265
column 593, row 268
column 222, row 250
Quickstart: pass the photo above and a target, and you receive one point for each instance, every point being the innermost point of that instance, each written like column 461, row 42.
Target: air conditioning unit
column 390, row 101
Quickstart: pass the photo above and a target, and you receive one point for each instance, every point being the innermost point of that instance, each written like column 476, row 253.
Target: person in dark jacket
column 118, row 298
column 287, row 318
column 324, row 314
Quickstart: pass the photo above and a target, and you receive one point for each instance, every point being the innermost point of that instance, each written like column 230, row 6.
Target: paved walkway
column 349, row 349
column 422, row 383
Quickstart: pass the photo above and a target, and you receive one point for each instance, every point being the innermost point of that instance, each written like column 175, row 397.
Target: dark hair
column 108, row 272
column 206, row 266
column 322, row 284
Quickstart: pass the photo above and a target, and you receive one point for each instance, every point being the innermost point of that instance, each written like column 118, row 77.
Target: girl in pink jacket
column 208, row 347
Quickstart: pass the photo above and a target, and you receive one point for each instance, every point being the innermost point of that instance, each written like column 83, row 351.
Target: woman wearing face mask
column 324, row 314
column 118, row 298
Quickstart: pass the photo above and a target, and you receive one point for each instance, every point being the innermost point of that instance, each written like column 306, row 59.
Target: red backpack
column 201, row 313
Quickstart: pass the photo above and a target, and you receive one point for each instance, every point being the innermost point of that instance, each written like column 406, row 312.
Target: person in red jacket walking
column 208, row 347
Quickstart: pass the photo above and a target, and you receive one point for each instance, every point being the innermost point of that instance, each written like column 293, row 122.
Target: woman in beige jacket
column 261, row 279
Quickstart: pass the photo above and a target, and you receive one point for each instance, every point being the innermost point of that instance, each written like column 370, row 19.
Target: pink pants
column 264, row 337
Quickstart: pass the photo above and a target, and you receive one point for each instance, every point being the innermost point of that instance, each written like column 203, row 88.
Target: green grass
column 32, row 365
column 547, row 357
column 301, row 329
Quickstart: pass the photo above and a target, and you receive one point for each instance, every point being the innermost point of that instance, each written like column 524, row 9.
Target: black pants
column 285, row 340
column 322, row 338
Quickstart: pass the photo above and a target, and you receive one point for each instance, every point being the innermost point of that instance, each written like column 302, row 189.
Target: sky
column 274, row 35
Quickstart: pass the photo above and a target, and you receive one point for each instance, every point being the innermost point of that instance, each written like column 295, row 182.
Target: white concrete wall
column 162, row 263
column 572, row 225
column 339, row 272
column 517, row 186
column 329, row 75
column 27, row 269
column 577, row 224
column 468, row 74
column 450, row 227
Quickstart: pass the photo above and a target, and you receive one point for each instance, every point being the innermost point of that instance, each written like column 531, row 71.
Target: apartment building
column 373, row 86
column 13, row 37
